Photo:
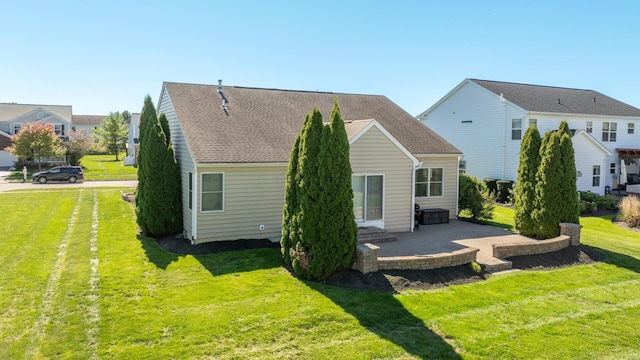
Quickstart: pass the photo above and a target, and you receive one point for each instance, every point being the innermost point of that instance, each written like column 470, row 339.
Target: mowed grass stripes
column 120, row 296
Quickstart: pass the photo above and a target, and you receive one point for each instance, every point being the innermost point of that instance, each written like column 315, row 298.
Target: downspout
column 504, row 139
column 194, row 208
column 413, row 194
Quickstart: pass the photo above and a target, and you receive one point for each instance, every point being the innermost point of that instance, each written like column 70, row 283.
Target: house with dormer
column 487, row 119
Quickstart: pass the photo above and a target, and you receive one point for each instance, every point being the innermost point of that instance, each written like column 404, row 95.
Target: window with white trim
column 58, row 129
column 609, row 131
column 596, row 176
column 17, row 127
column 589, row 127
column 212, row 192
column 190, row 190
column 630, row 128
column 612, row 168
column 429, row 182
column 516, row 129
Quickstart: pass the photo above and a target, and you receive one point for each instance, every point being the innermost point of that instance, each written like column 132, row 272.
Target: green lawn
column 77, row 283
column 105, row 167
column 96, row 168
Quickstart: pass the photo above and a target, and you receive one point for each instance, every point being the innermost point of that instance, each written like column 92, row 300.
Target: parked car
column 59, row 173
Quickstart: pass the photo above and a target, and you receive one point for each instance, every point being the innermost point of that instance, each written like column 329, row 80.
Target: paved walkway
column 456, row 235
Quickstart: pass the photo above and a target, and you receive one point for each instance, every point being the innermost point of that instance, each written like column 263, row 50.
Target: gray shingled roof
column 263, row 123
column 88, row 119
column 540, row 98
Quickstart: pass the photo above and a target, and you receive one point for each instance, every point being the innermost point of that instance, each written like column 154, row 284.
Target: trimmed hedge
column 503, row 190
column 492, row 186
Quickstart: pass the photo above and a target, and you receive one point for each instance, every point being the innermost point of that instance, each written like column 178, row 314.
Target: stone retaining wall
column 425, row 262
column 502, row 251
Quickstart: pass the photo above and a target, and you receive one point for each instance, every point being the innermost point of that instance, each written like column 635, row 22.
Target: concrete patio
column 447, row 238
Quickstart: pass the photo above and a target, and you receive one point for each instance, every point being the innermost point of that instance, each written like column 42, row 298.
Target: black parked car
column 60, row 173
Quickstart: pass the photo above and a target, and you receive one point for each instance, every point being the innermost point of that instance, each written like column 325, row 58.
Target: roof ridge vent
column 224, row 99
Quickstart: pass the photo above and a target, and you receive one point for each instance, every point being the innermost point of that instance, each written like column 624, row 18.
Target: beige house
column 86, row 123
column 233, row 144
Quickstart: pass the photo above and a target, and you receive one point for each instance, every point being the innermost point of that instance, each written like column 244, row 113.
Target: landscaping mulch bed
column 398, row 280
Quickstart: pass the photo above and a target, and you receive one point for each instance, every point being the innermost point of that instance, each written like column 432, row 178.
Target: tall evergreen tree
column 549, row 180
column 569, row 203
column 339, row 233
column 164, row 123
column 308, row 195
column 158, row 202
column 526, row 184
column 291, row 206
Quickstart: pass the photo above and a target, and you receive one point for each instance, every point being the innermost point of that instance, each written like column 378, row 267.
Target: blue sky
column 106, row 56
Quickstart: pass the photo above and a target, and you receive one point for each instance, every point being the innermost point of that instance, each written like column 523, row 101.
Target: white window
column 212, row 192
column 429, row 182
column 16, row 128
column 612, row 168
column 462, row 166
column 58, row 129
column 190, row 190
column 596, row 176
column 533, row 122
column 630, row 128
column 367, row 197
column 609, row 131
column 516, row 129
column 589, row 127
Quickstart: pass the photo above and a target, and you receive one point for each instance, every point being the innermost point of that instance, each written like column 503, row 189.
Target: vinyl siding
column 486, row 139
column 253, row 196
column 449, row 198
column 587, row 155
column 373, row 153
column 183, row 156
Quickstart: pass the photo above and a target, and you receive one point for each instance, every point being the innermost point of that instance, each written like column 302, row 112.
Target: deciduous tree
column 112, row 133
column 79, row 144
column 36, row 141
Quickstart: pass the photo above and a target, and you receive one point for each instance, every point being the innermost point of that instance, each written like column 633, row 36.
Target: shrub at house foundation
column 474, row 198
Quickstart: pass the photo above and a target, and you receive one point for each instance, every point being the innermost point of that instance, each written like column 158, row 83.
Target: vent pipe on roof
column 501, row 97
column 594, row 99
column 224, row 99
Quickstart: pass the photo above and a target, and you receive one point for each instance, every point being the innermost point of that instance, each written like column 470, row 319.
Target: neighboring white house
column 132, row 141
column 14, row 116
column 486, row 121
column 233, row 157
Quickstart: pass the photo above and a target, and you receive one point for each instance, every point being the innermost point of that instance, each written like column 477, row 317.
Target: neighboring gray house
column 14, row 116
column 234, row 155
column 486, row 120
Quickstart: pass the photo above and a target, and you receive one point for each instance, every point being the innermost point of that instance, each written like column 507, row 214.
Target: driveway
column 456, row 235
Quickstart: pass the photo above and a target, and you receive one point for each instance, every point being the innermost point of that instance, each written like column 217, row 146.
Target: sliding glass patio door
column 368, row 199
